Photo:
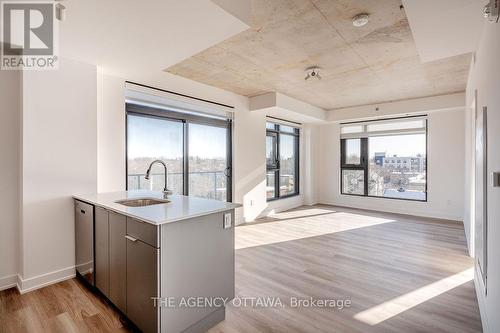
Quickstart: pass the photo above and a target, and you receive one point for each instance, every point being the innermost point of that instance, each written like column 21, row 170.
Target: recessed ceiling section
column 146, row 36
column 445, row 28
column 284, row 107
column 374, row 63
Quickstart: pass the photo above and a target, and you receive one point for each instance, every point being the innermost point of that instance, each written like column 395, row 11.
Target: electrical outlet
column 495, row 179
column 227, row 221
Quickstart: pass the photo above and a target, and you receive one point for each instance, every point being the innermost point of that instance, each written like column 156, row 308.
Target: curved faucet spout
column 166, row 191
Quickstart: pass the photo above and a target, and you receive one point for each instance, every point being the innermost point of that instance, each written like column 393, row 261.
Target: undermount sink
column 141, row 202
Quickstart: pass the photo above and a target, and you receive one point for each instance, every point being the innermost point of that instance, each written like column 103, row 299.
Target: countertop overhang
column 179, row 208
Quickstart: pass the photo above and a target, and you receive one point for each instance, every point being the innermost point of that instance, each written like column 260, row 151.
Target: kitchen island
column 161, row 262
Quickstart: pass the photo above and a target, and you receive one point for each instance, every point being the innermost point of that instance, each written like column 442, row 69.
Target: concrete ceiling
column 373, row 64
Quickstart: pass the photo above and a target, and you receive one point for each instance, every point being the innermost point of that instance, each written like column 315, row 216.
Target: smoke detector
column 360, row 20
column 312, row 73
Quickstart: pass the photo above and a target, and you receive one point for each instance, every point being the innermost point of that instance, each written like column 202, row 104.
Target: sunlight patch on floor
column 301, row 213
column 301, row 224
column 395, row 306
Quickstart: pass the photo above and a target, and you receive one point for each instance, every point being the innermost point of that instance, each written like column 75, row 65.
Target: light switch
column 227, row 221
column 496, row 179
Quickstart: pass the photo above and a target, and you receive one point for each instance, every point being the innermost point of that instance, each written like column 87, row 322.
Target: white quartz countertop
column 179, row 208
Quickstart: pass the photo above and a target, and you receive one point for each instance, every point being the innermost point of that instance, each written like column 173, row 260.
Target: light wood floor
column 401, row 274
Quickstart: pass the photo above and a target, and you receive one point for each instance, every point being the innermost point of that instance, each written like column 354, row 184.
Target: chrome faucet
column 166, row 192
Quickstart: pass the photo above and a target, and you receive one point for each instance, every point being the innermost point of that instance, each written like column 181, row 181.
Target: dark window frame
column 275, row 164
column 276, row 168
column 364, row 164
column 186, row 119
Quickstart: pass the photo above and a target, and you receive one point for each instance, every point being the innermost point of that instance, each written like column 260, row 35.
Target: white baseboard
column 397, row 210
column 43, row 280
column 7, row 282
column 282, row 205
column 481, row 302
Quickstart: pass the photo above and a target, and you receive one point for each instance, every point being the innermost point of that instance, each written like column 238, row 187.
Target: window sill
column 379, row 197
column 283, row 197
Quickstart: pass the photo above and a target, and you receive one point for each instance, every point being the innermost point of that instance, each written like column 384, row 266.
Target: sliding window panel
column 152, row 138
column 288, row 164
column 208, row 161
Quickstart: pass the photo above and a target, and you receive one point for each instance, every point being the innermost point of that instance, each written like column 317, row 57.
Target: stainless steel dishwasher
column 84, row 241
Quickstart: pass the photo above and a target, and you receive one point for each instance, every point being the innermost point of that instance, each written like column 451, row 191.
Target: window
column 353, row 151
column 146, row 142
column 272, row 150
column 196, row 150
column 353, row 181
column 207, row 150
column 282, row 160
column 385, row 159
column 353, row 166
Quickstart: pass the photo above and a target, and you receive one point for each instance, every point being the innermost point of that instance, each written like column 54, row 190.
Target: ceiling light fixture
column 312, row 73
column 360, row 20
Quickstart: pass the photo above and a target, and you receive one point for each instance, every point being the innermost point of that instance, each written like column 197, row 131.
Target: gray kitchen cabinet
column 197, row 259
column 134, row 261
column 118, row 260
column 102, row 250
column 142, row 284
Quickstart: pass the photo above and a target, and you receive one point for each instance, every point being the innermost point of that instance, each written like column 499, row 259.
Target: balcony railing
column 203, row 184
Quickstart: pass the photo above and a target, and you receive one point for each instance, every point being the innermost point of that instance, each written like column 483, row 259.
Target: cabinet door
column 197, row 259
column 117, row 260
column 102, row 250
column 142, row 284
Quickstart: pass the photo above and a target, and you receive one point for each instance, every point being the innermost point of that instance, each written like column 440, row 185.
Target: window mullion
column 278, row 166
column 185, row 151
column 365, row 163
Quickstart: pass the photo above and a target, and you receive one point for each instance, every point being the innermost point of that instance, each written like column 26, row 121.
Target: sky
column 153, row 137
column 286, row 146
column 401, row 145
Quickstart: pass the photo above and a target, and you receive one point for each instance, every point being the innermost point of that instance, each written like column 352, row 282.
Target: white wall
column 311, row 153
column 470, row 170
column 10, row 105
column 399, row 108
column 485, row 78
column 445, row 185
column 59, row 152
column 110, row 133
column 249, row 148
